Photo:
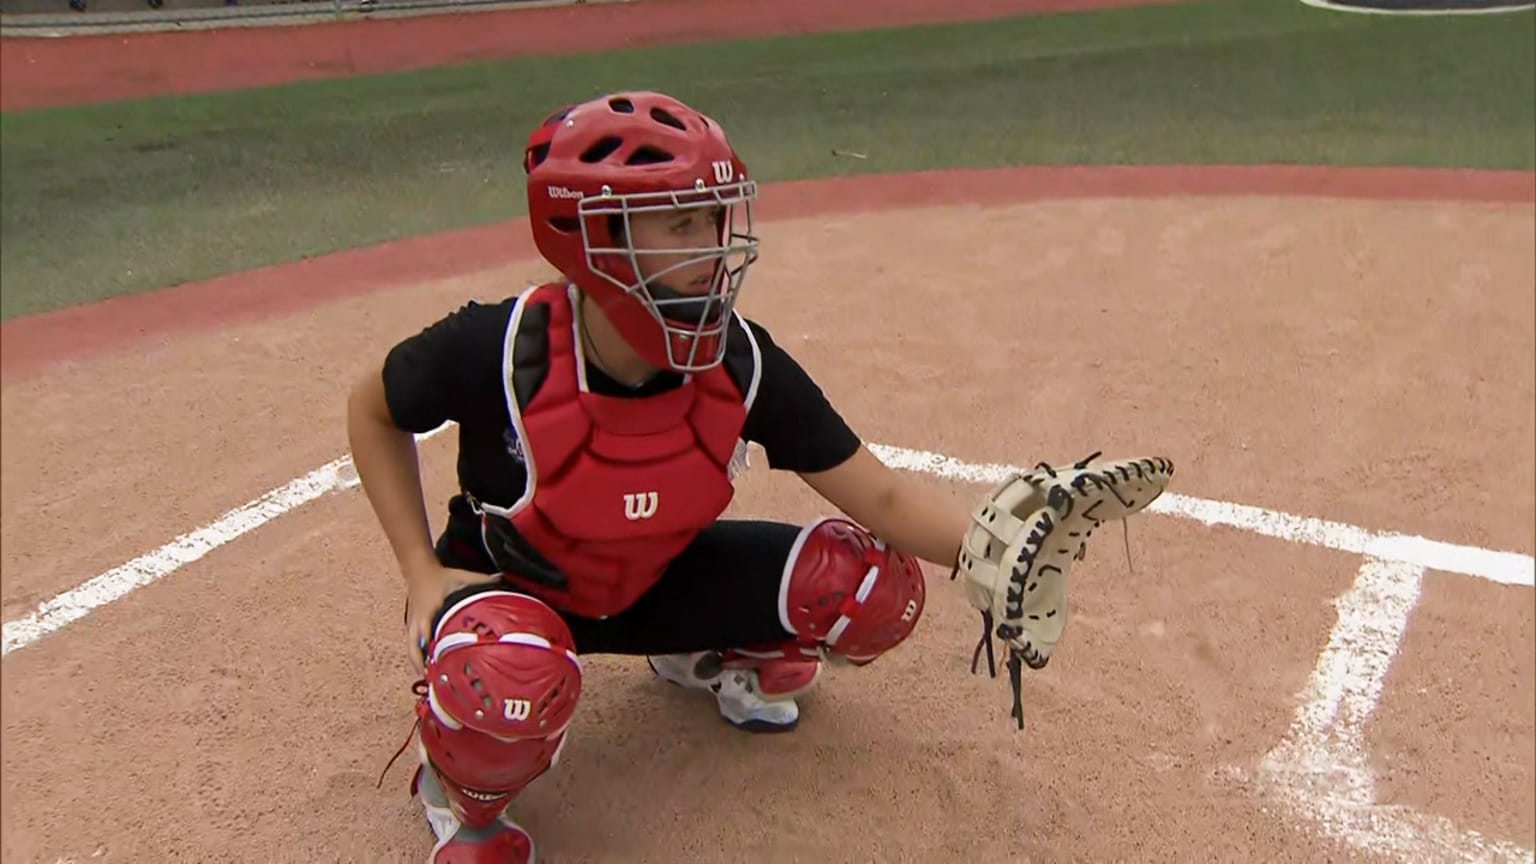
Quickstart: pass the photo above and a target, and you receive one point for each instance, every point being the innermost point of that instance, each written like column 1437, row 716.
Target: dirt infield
column 1297, row 353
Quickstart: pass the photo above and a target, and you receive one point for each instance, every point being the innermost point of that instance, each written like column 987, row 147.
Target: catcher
column 601, row 421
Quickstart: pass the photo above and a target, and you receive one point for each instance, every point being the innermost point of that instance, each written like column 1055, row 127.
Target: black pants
column 721, row 592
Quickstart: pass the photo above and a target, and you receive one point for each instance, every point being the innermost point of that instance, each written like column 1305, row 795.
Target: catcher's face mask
column 687, row 253
column 642, row 203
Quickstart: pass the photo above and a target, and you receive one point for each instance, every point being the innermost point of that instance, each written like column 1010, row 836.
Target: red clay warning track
column 36, row 73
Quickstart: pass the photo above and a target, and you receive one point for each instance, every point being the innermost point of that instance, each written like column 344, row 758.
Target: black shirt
column 452, row 370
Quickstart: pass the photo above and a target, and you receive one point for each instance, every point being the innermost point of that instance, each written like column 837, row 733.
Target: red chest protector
column 617, row 487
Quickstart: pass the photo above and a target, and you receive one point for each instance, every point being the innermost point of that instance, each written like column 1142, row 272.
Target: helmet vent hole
column 648, row 155
column 623, row 106
column 536, row 155
column 565, row 224
column 664, row 117
column 602, row 149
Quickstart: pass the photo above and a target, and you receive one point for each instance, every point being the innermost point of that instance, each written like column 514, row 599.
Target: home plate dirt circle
column 1253, row 688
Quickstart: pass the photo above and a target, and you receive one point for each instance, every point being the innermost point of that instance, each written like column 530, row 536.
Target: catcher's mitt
column 1022, row 542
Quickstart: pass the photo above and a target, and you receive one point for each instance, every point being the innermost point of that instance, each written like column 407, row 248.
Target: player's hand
column 428, row 584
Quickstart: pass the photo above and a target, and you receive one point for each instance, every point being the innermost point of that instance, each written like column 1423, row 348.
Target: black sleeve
column 791, row 418
column 449, row 371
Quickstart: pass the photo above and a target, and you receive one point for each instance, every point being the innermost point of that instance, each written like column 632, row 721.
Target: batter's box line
column 1508, row 568
column 339, row 475
column 1321, row 770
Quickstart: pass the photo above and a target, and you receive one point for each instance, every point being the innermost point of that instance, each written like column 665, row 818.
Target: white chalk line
column 1509, row 568
column 1366, row 10
column 80, row 601
column 1321, row 769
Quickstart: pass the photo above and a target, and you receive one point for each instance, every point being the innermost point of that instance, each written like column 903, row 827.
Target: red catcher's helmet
column 591, row 166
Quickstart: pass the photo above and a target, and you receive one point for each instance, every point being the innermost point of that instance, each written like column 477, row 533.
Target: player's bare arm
column 385, row 457
column 893, row 506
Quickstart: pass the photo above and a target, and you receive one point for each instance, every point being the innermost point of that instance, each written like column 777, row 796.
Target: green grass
column 104, row 200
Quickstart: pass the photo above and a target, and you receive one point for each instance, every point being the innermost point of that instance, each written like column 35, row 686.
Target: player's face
column 682, row 243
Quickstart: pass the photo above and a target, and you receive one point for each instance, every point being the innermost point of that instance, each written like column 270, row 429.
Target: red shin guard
column 502, row 683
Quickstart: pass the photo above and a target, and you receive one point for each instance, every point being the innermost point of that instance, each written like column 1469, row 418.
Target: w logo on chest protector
column 639, row 505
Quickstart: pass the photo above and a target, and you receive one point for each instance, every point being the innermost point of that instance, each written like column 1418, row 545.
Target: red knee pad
column 847, row 595
column 502, row 685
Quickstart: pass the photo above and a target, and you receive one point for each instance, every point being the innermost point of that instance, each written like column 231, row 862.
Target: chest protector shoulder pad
column 617, row 487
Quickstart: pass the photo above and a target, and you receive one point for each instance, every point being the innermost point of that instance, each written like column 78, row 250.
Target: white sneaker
column 504, row 842
column 737, row 692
